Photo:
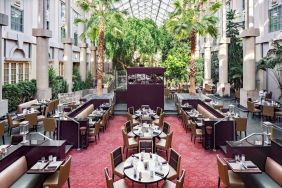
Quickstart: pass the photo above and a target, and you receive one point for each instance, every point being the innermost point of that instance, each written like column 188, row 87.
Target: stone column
column 3, row 103
column 223, row 87
column 68, row 64
column 207, row 60
column 249, row 56
column 93, row 62
column 42, row 45
column 82, row 66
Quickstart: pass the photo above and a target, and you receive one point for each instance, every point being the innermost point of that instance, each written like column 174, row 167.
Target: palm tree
column 102, row 16
column 189, row 19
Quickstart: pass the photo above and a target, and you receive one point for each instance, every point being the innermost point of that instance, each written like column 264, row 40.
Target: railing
column 251, row 135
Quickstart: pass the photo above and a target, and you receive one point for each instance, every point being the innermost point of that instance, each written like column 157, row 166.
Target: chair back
column 193, row 128
column 241, row 124
column 104, row 119
column 169, row 140
column 109, row 180
column 125, row 138
column 222, row 170
column 159, row 111
column 32, row 119
column 49, row 124
column 64, row 172
column 116, row 157
column 166, row 127
column 174, row 160
column 180, row 181
column 97, row 127
column 251, row 106
column 161, row 120
column 146, row 145
column 16, row 139
column 2, row 128
column 130, row 110
column 145, row 106
column 127, row 127
column 268, row 111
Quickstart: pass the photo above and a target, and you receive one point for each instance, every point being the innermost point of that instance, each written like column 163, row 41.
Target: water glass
column 42, row 159
column 54, row 159
column 50, row 157
column 243, row 158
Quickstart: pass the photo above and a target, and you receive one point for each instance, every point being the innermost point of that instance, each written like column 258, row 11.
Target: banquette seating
column 270, row 178
column 25, row 105
column 15, row 176
column 84, row 113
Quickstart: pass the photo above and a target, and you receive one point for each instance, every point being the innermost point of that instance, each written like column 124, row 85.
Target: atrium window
column 13, row 73
column 16, row 19
column 21, row 72
column 6, row 73
column 26, row 71
column 48, row 4
column 63, row 10
column 63, row 32
column 275, row 19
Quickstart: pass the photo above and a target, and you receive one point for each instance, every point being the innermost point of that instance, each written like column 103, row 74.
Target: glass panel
column 26, row 71
column 6, row 73
column 16, row 19
column 20, row 72
column 13, row 72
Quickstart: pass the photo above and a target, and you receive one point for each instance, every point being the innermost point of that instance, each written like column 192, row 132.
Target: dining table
column 146, row 115
column 238, row 166
column 146, row 168
column 45, row 167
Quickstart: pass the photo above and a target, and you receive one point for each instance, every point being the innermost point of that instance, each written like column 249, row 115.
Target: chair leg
column 3, row 139
column 218, row 184
column 68, row 182
column 126, row 152
column 245, row 133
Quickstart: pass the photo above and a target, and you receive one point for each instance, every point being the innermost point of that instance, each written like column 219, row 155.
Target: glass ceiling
column 157, row 10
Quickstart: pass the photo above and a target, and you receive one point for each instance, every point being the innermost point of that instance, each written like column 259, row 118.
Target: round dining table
column 146, row 168
column 147, row 131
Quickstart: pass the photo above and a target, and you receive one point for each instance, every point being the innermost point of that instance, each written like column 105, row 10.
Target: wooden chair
column 128, row 143
column 42, row 117
column 128, row 129
column 268, row 111
column 111, row 111
column 160, row 120
column 159, row 111
column 50, row 126
column 166, row 129
column 132, row 120
column 130, row 110
column 103, row 122
column 32, row 121
column 165, row 144
column 59, row 178
column 178, row 110
column 179, row 182
column 117, row 163
column 111, row 184
column 95, row 131
column 196, row 133
column 174, row 161
column 2, row 131
column 252, row 109
column 241, row 126
column 145, row 145
column 187, row 122
column 12, row 124
column 228, row 177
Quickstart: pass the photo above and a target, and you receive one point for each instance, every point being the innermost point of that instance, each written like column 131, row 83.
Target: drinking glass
column 243, row 158
column 42, row 159
column 50, row 158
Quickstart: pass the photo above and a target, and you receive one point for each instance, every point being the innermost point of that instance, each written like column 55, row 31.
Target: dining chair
column 268, row 111
column 94, row 132
column 32, row 121
column 42, row 117
column 195, row 133
column 159, row 111
column 16, row 139
column 166, row 129
column 130, row 110
column 103, row 122
column 228, row 177
column 111, row 111
column 165, row 144
column 60, row 177
column 145, row 106
column 128, row 143
column 128, row 129
column 187, row 122
column 117, row 163
column 146, row 145
column 179, row 183
column 252, row 109
column 111, row 184
column 160, row 120
column 178, row 110
column 241, row 126
column 12, row 123
column 2, row 131
column 50, row 126
column 174, row 161
column 132, row 120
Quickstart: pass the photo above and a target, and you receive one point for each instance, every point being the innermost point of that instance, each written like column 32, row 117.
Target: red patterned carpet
column 88, row 165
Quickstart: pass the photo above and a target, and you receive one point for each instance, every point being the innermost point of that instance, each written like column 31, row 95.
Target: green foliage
column 78, row 84
column 200, row 71
column 19, row 93
column 56, row 83
column 214, row 66
column 235, row 51
column 176, row 62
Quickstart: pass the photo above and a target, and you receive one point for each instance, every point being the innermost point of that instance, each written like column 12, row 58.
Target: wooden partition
column 145, row 86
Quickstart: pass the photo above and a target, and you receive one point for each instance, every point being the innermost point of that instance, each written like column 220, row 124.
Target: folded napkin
column 159, row 174
column 127, row 167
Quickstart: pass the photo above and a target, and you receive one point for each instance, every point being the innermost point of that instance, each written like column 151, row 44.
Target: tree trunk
column 101, row 46
column 193, row 63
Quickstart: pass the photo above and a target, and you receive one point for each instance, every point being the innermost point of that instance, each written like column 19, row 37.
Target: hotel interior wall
column 263, row 41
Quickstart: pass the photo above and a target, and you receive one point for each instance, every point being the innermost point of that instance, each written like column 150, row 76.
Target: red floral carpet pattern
column 87, row 170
